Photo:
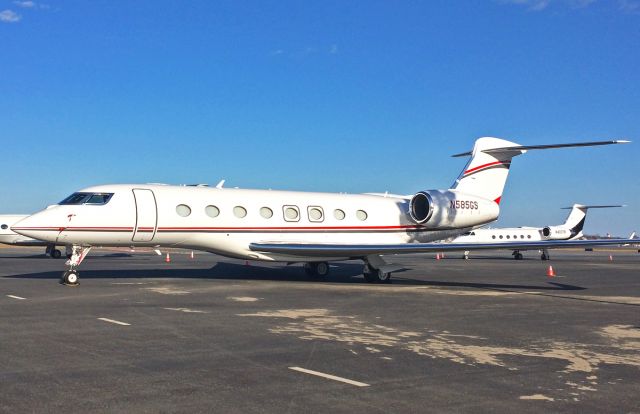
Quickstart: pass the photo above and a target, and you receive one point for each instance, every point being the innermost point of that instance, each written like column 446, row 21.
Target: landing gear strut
column 517, row 255
column 545, row 255
column 71, row 276
column 317, row 269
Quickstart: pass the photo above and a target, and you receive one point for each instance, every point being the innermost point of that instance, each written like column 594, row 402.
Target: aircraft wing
column 362, row 250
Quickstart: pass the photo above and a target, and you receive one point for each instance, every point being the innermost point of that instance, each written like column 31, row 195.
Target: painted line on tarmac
column 329, row 376
column 16, row 297
column 114, row 321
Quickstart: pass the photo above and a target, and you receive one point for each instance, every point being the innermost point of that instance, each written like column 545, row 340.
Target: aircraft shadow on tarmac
column 342, row 273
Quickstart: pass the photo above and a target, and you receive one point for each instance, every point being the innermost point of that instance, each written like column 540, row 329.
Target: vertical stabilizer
column 486, row 173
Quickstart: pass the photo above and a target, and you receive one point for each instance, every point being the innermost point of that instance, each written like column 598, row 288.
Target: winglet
column 220, row 184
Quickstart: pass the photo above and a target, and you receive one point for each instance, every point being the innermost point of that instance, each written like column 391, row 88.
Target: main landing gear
column 373, row 275
column 317, row 269
column 53, row 252
column 71, row 276
column 517, row 255
column 545, row 255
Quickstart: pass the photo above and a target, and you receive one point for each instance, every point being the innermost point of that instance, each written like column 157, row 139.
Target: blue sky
column 349, row 96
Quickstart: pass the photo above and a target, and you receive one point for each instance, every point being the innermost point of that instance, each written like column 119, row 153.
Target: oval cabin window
column 315, row 214
column 212, row 211
column 266, row 212
column 291, row 213
column 239, row 211
column 183, row 210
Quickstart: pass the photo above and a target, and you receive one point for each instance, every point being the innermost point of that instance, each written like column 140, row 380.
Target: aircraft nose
column 36, row 227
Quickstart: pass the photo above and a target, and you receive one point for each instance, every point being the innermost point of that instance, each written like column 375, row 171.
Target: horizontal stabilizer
column 522, row 148
column 583, row 206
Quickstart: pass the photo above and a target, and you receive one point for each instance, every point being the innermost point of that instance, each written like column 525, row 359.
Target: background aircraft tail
column 577, row 216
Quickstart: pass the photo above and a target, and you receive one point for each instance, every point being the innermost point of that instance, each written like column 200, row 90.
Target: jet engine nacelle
column 450, row 209
column 556, row 233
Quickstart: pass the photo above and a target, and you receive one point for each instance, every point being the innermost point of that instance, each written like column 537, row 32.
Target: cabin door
column 146, row 215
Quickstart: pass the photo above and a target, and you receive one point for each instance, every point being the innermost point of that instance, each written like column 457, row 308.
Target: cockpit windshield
column 95, row 199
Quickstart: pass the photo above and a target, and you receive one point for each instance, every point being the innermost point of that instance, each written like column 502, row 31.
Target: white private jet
column 570, row 230
column 14, row 239
column 289, row 226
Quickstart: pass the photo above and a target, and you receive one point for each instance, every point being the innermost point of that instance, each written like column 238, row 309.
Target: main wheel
column 70, row 277
column 322, row 269
column 56, row 254
column 544, row 257
column 383, row 277
column 518, row 256
column 376, row 276
column 317, row 270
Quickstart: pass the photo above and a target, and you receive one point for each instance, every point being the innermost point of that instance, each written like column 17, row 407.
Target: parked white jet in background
column 289, row 226
column 14, row 239
column 570, row 230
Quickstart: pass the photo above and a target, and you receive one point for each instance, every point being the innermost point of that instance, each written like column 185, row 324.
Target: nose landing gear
column 71, row 276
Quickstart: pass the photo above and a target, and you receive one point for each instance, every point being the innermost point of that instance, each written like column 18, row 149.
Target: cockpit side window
column 95, row 199
column 102, row 198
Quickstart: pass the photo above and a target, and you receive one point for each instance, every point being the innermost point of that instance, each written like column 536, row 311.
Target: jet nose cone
column 35, row 227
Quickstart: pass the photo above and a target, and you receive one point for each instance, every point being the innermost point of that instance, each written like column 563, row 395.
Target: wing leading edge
column 362, row 250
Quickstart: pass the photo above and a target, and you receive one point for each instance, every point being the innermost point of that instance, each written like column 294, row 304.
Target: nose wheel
column 70, row 278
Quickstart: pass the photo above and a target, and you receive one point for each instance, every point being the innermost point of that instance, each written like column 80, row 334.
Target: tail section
column 485, row 175
column 575, row 221
column 577, row 217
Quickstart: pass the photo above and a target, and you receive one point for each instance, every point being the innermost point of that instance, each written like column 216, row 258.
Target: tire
column 544, row 257
column 376, row 276
column 322, row 269
column 70, row 277
column 383, row 277
column 317, row 270
column 518, row 256
column 56, row 254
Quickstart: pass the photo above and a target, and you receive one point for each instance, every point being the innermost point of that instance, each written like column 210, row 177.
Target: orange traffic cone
column 611, row 258
column 167, row 259
column 550, row 272
column 191, row 254
column 437, row 256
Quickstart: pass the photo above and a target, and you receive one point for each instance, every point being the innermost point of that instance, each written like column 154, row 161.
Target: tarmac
column 211, row 334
